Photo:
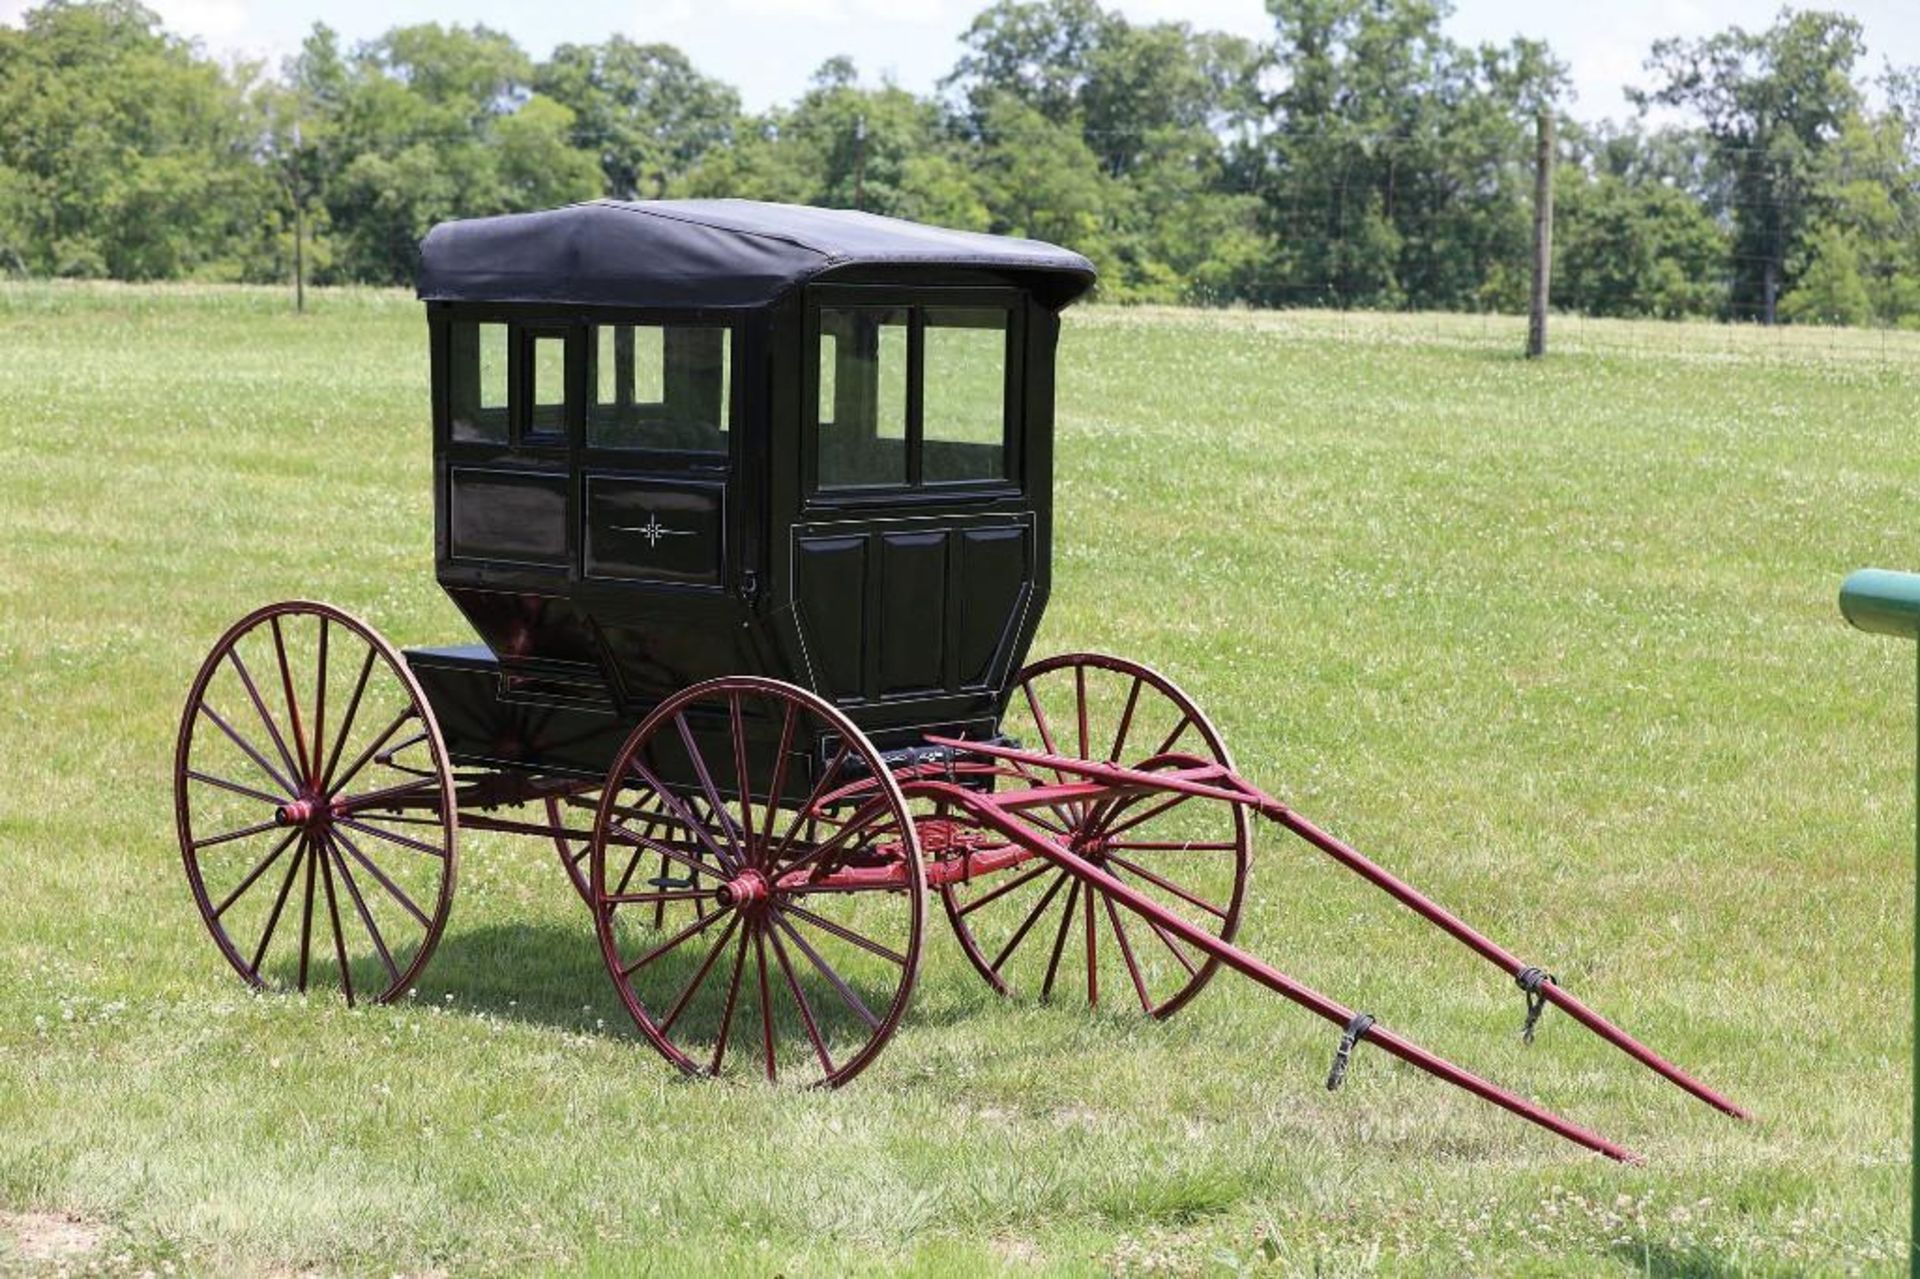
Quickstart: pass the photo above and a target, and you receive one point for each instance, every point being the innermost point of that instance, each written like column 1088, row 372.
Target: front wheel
column 314, row 804
column 756, row 885
column 1033, row 927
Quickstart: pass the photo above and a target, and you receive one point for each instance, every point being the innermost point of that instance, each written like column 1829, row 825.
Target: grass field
column 1556, row 640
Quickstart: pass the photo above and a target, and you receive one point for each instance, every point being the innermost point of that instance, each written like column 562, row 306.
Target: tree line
column 1360, row 157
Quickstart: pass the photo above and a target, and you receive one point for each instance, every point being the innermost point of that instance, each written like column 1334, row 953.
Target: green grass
column 1557, row 640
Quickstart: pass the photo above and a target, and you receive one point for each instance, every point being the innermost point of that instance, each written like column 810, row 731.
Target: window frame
column 916, row 302
column 639, row 457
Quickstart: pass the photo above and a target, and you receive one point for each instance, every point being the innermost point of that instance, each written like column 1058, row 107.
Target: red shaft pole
column 1433, row 912
column 984, row 810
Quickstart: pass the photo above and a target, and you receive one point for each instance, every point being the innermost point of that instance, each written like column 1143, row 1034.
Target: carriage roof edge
column 672, row 254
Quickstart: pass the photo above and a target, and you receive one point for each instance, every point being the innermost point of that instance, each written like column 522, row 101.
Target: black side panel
column 909, row 610
column 655, row 531
column 997, row 569
column 912, row 612
column 831, row 572
column 515, row 517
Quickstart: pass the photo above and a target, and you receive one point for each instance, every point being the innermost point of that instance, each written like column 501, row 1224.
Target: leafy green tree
column 1396, row 162
column 1771, row 101
column 123, row 153
column 642, row 109
column 1626, row 247
column 1830, row 287
column 426, row 123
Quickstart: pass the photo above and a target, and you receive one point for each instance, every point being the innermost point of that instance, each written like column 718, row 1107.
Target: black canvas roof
column 716, row 253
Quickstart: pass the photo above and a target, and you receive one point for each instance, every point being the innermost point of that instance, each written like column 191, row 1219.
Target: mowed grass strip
column 1556, row 640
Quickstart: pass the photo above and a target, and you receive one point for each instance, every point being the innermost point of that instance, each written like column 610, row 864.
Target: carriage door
column 656, row 448
column 915, row 565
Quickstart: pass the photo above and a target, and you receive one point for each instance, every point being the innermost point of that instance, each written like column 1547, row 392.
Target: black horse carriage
column 750, row 507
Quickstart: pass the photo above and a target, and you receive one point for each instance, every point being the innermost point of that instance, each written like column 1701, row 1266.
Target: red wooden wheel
column 310, row 780
column 766, row 915
column 1032, row 927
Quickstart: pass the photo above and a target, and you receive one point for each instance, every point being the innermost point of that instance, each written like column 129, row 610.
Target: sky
column 767, row 49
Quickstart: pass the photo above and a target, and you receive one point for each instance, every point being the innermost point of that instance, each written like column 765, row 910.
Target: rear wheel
column 1033, row 927
column 314, row 805
column 755, row 919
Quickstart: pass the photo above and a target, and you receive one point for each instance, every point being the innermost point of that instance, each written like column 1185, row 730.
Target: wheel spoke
column 306, row 917
column 320, row 700
column 1179, row 731
column 805, row 810
column 691, row 930
column 733, row 996
column 360, row 905
column 665, row 895
column 339, row 938
column 206, row 709
column 1093, row 958
column 243, row 833
column 380, row 876
column 700, row 770
column 1149, row 814
column 1168, row 942
column 1126, row 954
column 826, row 970
column 293, row 704
column 667, row 851
column 260, row 706
column 685, row 814
column 376, row 798
column 766, row 993
column 346, row 721
column 352, row 770
column 279, row 903
column 800, row 1001
column 1169, row 885
column 226, row 785
column 255, row 873
column 1126, row 721
column 740, row 777
column 700, row 975
column 779, row 784
column 844, row 934
column 854, row 826
column 404, row 841
column 1006, row 888
column 1013, row 943
column 1060, row 941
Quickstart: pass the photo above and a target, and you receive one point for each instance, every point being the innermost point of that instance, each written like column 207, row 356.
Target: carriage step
column 668, row 881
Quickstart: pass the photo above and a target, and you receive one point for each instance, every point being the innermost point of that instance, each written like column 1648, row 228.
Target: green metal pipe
column 1882, row 601
column 1888, row 603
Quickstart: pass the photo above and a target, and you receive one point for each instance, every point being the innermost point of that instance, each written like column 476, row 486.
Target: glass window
column 863, row 367
column 547, row 386
column 660, row 387
column 477, row 383
column 965, row 404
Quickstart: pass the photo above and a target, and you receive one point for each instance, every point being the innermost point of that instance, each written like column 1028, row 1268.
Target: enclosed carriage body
column 679, row 440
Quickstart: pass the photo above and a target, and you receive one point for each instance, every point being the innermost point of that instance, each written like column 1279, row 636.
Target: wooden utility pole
column 860, row 162
column 299, row 228
column 1542, row 238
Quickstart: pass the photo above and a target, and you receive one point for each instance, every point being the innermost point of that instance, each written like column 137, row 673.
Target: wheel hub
column 749, row 888
column 309, row 812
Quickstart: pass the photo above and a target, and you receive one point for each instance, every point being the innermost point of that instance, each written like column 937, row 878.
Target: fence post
column 1542, row 237
column 1888, row 603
